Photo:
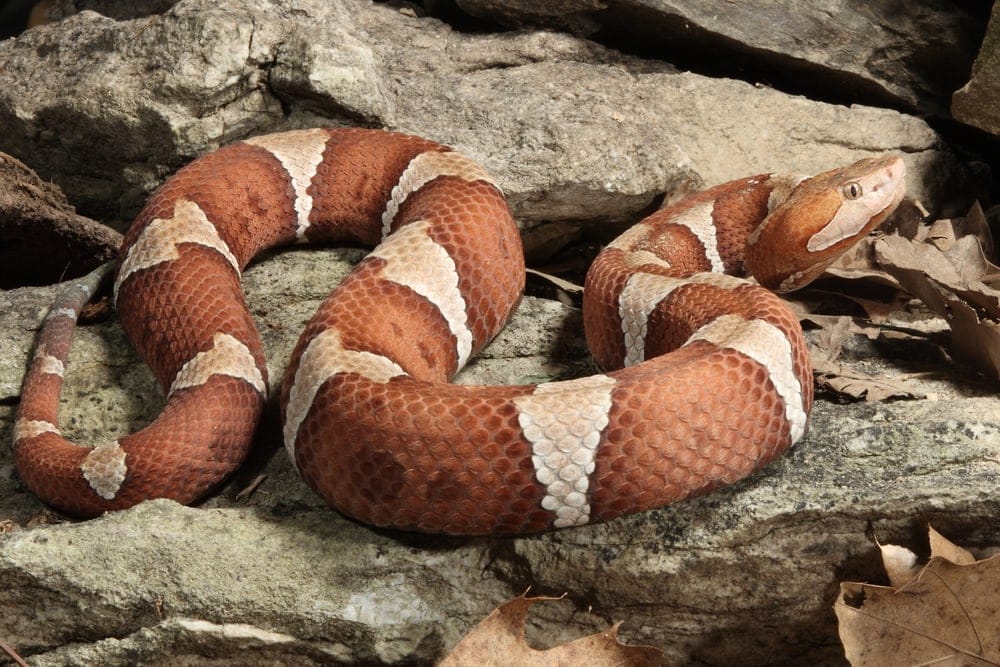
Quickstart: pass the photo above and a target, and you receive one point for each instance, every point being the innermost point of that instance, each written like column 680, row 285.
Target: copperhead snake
column 712, row 382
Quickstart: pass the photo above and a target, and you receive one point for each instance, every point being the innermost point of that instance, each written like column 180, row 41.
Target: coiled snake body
column 713, row 376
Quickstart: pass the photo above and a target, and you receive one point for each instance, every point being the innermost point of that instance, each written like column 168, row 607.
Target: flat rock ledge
column 744, row 575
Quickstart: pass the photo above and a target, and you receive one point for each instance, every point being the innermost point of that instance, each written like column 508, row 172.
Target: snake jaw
column 821, row 218
column 864, row 202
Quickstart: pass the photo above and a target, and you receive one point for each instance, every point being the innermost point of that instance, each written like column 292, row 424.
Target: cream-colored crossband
column 699, row 220
column 782, row 186
column 66, row 312
column 88, row 287
column 323, row 358
column 415, row 260
column 50, row 365
column 104, row 469
column 227, row 356
column 300, row 152
column 640, row 296
column 629, row 239
column 29, row 428
column 159, row 240
column 425, row 168
column 563, row 421
column 767, row 345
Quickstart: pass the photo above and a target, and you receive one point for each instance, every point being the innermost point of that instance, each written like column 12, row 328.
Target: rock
column 909, row 55
column 276, row 576
column 579, row 135
column 41, row 236
column 622, row 131
column 976, row 102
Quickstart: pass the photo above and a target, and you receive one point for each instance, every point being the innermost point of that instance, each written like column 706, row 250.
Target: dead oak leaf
column 944, row 613
column 950, row 283
column 853, row 385
column 499, row 640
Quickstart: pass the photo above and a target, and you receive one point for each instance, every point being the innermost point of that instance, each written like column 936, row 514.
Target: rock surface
column 909, row 55
column 621, row 130
column 582, row 138
column 976, row 102
column 42, row 238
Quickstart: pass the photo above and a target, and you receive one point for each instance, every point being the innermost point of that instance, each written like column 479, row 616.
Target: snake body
column 707, row 380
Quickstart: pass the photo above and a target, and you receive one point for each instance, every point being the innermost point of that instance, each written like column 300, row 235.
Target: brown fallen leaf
column 943, row 233
column 945, row 613
column 499, row 640
column 832, row 336
column 856, row 386
column 901, row 564
column 949, row 283
column 942, row 547
column 839, row 378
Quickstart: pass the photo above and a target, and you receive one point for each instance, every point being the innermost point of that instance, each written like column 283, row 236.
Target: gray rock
column 577, row 134
column 278, row 577
column 909, row 55
column 976, row 102
column 151, row 93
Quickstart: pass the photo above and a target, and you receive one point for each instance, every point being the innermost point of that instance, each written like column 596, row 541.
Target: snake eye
column 853, row 190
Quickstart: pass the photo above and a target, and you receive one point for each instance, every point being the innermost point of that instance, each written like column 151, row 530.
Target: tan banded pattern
column 51, row 365
column 415, row 260
column 421, row 455
column 643, row 292
column 699, row 220
column 767, row 345
column 425, row 168
column 66, row 312
column 782, row 186
column 158, row 241
column 632, row 236
column 30, row 428
column 300, row 152
column 639, row 258
column 227, row 356
column 564, row 421
column 323, row 358
column 104, row 469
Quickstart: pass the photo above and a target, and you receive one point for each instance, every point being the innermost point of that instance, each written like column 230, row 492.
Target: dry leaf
column 947, row 614
column 948, row 281
column 942, row 547
column 832, row 337
column 900, row 564
column 499, row 640
column 856, row 386
column 973, row 224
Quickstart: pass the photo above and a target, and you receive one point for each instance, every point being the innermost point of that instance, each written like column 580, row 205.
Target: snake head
column 820, row 219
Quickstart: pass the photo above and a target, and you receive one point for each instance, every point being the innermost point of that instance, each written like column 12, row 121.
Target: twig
column 247, row 491
column 9, row 650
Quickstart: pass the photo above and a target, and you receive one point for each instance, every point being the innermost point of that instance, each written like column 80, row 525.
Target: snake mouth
column 866, row 202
